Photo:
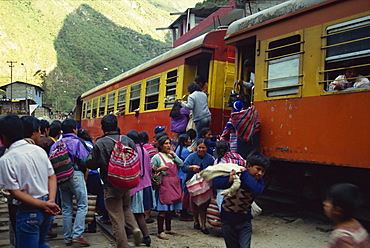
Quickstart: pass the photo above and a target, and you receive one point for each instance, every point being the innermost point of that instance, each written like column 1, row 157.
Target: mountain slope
column 73, row 41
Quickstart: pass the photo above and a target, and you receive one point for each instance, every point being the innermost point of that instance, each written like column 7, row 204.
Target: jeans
column 74, row 186
column 205, row 122
column 237, row 235
column 32, row 227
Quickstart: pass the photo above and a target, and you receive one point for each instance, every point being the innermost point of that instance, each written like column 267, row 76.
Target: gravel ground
column 270, row 229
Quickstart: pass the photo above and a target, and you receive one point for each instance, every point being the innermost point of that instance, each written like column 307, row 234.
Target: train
column 312, row 135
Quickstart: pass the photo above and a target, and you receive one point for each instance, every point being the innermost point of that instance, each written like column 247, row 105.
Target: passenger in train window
column 350, row 79
column 203, row 84
column 198, row 102
column 343, row 201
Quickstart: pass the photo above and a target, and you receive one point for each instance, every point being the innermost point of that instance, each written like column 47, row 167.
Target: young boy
column 236, row 209
column 342, row 202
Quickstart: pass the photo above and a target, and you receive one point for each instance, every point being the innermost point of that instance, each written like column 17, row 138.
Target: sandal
column 162, row 235
column 197, row 226
column 205, row 231
column 172, row 232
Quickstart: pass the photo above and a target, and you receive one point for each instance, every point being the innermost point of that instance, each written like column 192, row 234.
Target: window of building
column 284, row 58
column 135, row 97
column 111, row 97
column 88, row 109
column 347, row 47
column 102, row 106
column 171, row 81
column 94, row 107
column 121, row 104
column 152, row 93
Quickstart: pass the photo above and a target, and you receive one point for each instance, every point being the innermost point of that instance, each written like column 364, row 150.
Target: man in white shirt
column 26, row 171
column 350, row 79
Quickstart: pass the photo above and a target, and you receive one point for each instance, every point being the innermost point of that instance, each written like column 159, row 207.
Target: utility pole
column 11, row 82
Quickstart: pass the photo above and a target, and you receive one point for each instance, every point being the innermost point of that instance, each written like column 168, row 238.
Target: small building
column 21, row 98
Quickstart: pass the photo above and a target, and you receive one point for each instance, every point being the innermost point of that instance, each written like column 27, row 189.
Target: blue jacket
column 249, row 184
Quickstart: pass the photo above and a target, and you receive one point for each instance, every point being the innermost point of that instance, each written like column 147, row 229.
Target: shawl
column 223, row 170
column 245, row 123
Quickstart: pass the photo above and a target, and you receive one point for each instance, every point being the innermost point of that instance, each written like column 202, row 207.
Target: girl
column 141, row 195
column 169, row 194
column 182, row 151
column 194, row 163
column 179, row 118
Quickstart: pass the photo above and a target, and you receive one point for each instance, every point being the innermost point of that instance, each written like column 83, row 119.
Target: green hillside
column 79, row 44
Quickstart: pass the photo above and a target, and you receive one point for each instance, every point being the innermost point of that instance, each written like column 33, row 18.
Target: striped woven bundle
column 199, row 190
column 123, row 167
column 246, row 122
column 61, row 162
column 213, row 214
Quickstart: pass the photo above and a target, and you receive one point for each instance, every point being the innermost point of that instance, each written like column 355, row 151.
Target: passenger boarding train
column 309, row 132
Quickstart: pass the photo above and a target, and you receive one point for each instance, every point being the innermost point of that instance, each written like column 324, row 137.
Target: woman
column 194, row 163
column 226, row 156
column 179, row 118
column 169, row 194
column 141, row 195
column 182, row 152
column 198, row 102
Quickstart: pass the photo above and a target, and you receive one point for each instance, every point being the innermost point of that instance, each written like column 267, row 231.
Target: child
column 343, row 201
column 236, row 209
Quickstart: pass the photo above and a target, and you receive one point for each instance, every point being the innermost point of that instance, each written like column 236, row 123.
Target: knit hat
column 159, row 129
column 238, row 106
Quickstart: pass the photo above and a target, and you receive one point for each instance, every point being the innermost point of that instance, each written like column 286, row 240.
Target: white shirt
column 25, row 167
column 341, row 80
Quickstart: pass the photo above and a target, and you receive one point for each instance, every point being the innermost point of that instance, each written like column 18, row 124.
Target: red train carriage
column 299, row 47
column 143, row 97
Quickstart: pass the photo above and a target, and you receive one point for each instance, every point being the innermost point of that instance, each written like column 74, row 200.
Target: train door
column 246, row 64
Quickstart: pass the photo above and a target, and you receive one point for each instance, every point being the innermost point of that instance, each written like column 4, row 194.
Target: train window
column 135, row 97
column 111, row 97
column 171, row 81
column 88, row 109
column 102, row 106
column 152, row 93
column 121, row 105
column 94, row 107
column 284, row 57
column 83, row 110
column 347, row 47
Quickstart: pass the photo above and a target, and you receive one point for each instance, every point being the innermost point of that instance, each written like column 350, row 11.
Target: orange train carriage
column 142, row 97
column 312, row 134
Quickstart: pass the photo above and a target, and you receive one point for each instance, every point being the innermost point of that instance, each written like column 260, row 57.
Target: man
column 45, row 142
column 117, row 201
column 350, row 79
column 26, row 171
column 74, row 186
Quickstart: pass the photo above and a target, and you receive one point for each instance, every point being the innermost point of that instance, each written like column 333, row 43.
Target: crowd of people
column 228, row 168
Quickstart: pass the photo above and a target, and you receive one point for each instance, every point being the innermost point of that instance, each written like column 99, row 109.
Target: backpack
column 61, row 162
column 123, row 166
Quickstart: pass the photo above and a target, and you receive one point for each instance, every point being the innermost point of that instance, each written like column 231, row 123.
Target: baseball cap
column 159, row 129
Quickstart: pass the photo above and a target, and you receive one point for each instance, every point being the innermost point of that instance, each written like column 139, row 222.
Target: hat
column 159, row 129
column 238, row 106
